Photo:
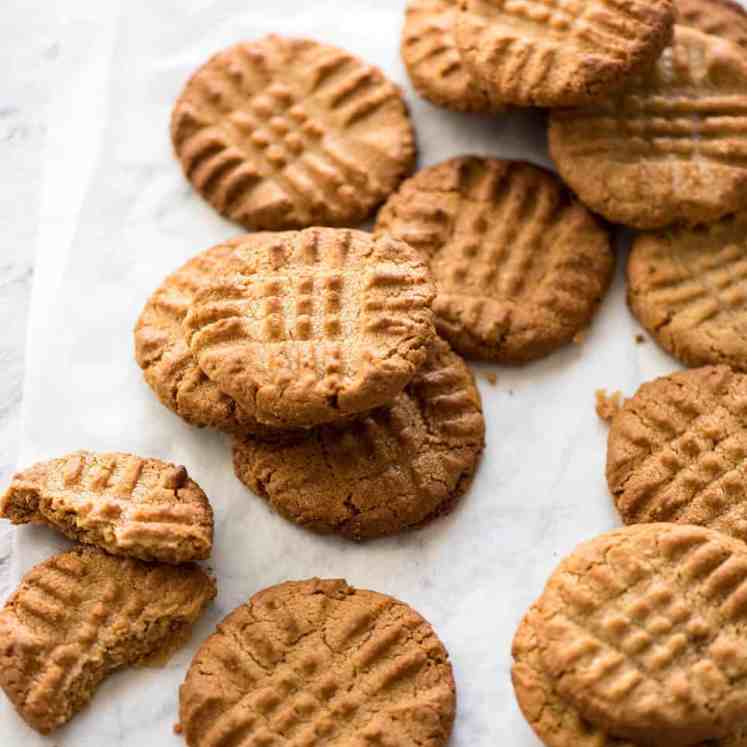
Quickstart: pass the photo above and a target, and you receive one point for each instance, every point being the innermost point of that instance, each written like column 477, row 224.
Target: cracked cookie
column 394, row 469
column 308, row 327
column 670, row 149
column 723, row 18
column 547, row 53
column 677, row 451
column 642, row 631
column 433, row 60
column 688, row 288
column 144, row 508
column 285, row 133
column 80, row 615
column 319, row 662
column 520, row 265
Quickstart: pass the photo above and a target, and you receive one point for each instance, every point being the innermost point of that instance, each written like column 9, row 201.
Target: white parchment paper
column 118, row 215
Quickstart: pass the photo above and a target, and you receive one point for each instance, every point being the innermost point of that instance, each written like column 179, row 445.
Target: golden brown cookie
column 726, row 19
column 320, row 663
column 433, row 59
column 554, row 721
column 520, row 266
column 79, row 616
column 688, row 288
column 286, row 133
column 550, row 53
column 393, row 470
column 672, row 148
column 167, row 362
column 144, row 508
column 643, row 632
column 677, row 451
column 308, row 327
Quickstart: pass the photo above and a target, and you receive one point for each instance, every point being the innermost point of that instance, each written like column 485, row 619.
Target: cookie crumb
column 608, row 405
column 177, row 728
column 579, row 337
column 640, row 339
column 491, row 378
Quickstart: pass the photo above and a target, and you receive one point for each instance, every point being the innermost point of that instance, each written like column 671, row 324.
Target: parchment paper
column 118, row 215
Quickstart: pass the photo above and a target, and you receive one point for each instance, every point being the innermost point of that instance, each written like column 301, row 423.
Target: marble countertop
column 27, row 55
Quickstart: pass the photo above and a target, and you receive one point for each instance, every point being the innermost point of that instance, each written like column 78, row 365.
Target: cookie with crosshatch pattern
column 688, row 288
column 394, row 469
column 127, row 505
column 642, row 631
column 677, row 451
column 308, row 327
column 319, row 662
column 554, row 721
column 552, row 53
column 520, row 266
column 433, row 60
column 285, row 133
column 670, row 149
column 78, row 616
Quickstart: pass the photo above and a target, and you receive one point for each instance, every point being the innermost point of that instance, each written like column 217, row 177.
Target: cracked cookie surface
column 285, row 133
column 677, row 451
column 80, row 615
column 309, row 327
column 392, row 470
column 642, row 631
column 723, row 18
column 520, row 265
column 688, row 288
column 127, row 505
column 320, row 663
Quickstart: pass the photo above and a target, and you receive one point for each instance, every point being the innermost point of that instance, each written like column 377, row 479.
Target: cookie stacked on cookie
column 317, row 350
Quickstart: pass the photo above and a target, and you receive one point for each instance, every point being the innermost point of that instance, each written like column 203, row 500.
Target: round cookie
column 308, row 327
column 688, row 288
column 285, row 133
column 162, row 352
column 555, row 722
column 643, row 632
column 552, row 54
column 433, row 60
column 677, row 451
column 672, row 148
column 520, row 266
column 319, row 662
column 726, row 19
column 395, row 469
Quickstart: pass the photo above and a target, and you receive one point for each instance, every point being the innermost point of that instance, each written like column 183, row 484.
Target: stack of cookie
column 128, row 593
column 316, row 349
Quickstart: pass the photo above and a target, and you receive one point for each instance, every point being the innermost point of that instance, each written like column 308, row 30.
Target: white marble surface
column 28, row 51
column 117, row 215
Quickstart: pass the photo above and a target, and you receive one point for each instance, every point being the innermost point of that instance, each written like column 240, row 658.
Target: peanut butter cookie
column 393, row 470
column 285, row 133
column 127, row 505
column 309, row 327
column 79, row 616
column 520, row 266
column 549, row 53
column 672, row 148
column 723, row 18
column 688, row 288
column 319, row 662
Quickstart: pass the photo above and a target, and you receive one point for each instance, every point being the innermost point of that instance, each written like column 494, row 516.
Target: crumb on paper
column 640, row 339
column 579, row 337
column 608, row 405
column 491, row 378
column 177, row 728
